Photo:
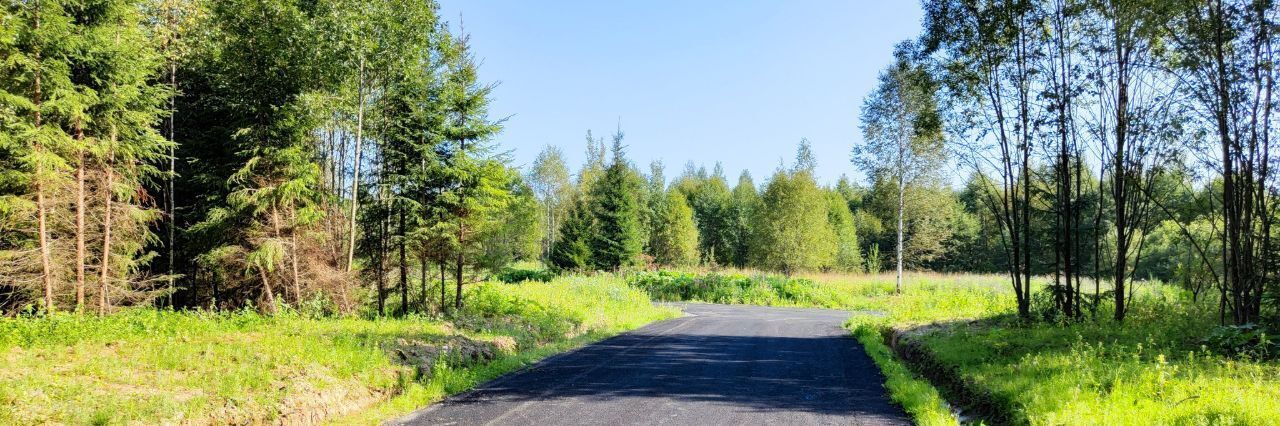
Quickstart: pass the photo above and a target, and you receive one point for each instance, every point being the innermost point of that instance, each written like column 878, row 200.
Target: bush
column 1248, row 341
column 767, row 290
column 512, row 275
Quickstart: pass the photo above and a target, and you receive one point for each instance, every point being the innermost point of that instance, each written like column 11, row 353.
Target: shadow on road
column 822, row 375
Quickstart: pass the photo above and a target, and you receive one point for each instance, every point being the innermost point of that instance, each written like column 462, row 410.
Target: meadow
column 156, row 366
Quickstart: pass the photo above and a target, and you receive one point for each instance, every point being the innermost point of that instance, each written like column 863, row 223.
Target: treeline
column 1108, row 141
column 196, row 153
column 610, row 215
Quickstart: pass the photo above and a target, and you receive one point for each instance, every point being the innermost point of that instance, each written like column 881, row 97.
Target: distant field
column 150, row 366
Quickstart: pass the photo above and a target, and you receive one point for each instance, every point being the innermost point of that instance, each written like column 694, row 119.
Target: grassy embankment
column 1155, row 368
column 151, row 366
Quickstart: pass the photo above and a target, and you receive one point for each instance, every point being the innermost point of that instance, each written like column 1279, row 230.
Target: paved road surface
column 717, row 365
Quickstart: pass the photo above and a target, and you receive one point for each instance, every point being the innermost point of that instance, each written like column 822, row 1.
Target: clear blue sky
column 738, row 82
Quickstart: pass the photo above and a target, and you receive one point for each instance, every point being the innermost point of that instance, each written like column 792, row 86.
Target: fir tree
column 477, row 183
column 616, row 239
column 571, row 251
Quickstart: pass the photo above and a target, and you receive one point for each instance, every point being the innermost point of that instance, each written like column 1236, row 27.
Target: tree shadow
column 827, row 375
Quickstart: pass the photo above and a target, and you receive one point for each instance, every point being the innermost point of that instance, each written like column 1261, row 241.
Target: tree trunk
column 104, row 270
column 293, row 242
column 404, row 268
column 1121, row 185
column 266, row 286
column 173, row 163
column 461, row 262
column 422, row 297
column 355, row 178
column 901, row 206
column 457, row 276
column 46, row 264
column 80, row 226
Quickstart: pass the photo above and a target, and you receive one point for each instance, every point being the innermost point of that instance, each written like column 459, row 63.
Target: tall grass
column 154, row 366
column 1153, row 369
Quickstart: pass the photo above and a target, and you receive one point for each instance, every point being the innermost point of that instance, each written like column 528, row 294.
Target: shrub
column 512, row 275
column 1248, row 340
column 768, row 290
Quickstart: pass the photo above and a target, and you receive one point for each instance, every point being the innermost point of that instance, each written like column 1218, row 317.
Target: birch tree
column 902, row 139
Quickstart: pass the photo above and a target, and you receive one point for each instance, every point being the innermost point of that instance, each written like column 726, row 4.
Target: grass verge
column 917, row 396
column 1155, row 368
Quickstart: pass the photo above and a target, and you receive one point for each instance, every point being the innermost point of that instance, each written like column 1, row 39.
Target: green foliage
column 571, row 251
column 674, row 241
column 245, row 367
column 1248, row 341
column 792, row 233
column 548, row 177
column 767, row 290
column 848, row 256
column 616, row 238
column 744, row 204
column 513, row 274
column 79, row 103
column 873, row 260
column 709, row 197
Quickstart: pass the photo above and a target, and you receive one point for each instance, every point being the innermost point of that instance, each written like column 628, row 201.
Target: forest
column 337, row 159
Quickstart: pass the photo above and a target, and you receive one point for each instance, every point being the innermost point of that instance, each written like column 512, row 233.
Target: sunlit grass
column 1152, row 369
column 152, row 366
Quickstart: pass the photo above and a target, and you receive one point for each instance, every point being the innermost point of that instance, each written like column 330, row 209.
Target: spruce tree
column 571, row 251
column 477, row 182
column 616, row 239
column 81, row 104
column 257, row 66
column 37, row 42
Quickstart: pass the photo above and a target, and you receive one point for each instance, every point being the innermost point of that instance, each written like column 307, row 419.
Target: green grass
column 153, row 366
column 1153, row 369
column 917, row 397
column 1150, row 370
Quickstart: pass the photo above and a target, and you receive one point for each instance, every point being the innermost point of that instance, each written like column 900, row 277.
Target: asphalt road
column 717, row 365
